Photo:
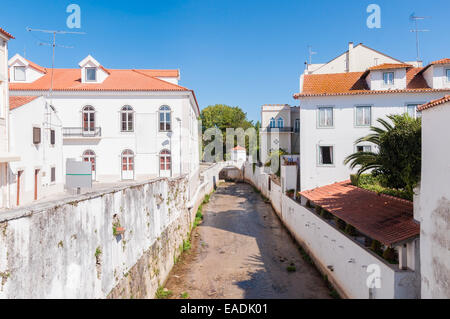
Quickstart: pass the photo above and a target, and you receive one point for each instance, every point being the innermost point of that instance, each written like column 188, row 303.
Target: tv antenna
column 310, row 53
column 53, row 45
column 415, row 18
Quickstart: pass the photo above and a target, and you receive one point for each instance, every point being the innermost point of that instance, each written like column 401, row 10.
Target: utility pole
column 414, row 18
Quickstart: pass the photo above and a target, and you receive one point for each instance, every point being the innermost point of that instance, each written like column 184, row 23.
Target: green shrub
column 376, row 247
column 350, row 230
column 325, row 214
column 354, row 179
column 339, row 223
column 390, row 255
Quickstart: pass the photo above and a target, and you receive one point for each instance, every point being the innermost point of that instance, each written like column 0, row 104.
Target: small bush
column 350, row 230
column 184, row 295
column 163, row 293
column 354, row 179
column 325, row 214
column 340, row 223
column 390, row 255
column 291, row 268
column 376, row 247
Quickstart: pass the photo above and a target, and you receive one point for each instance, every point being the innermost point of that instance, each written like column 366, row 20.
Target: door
column 89, row 156
column 165, row 164
column 36, row 183
column 127, row 165
column 88, row 120
column 19, row 182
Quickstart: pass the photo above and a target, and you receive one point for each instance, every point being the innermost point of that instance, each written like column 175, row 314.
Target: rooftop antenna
column 311, row 53
column 415, row 18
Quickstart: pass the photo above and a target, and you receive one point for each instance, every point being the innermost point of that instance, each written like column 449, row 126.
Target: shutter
column 52, row 137
column 36, row 135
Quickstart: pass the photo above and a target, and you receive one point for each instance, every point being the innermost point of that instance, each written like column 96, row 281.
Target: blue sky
column 240, row 53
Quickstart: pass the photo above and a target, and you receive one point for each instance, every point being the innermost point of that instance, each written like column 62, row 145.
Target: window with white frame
column 164, row 118
column 363, row 115
column 363, row 148
column 91, row 74
column 280, row 122
column 19, row 73
column 164, row 160
column 325, row 116
column 411, row 109
column 388, row 78
column 126, row 119
column 325, row 155
column 272, row 123
column 127, row 160
column 447, row 73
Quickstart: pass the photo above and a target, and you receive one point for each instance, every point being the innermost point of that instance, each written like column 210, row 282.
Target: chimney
column 350, row 58
column 350, row 46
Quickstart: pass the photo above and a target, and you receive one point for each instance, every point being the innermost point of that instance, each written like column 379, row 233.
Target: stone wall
column 69, row 249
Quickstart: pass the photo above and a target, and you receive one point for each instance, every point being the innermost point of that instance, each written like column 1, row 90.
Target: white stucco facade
column 433, row 204
column 39, row 173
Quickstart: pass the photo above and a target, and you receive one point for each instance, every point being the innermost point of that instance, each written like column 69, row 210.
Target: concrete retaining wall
column 66, row 249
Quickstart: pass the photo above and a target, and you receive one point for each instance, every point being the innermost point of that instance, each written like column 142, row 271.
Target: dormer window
column 19, row 73
column 388, row 78
column 91, row 74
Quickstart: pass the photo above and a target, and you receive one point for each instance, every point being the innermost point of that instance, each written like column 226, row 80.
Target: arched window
column 126, row 119
column 88, row 119
column 164, row 160
column 89, row 156
column 164, row 118
column 272, row 123
column 280, row 122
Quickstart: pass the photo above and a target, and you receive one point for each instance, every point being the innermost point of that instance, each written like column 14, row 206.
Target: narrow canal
column 241, row 250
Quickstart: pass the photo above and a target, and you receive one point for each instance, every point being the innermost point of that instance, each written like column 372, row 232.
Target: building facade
column 5, row 155
column 130, row 124
column 432, row 205
column 36, row 134
column 339, row 107
column 280, row 128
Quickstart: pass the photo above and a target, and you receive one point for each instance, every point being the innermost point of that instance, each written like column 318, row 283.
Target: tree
column 222, row 117
column 398, row 161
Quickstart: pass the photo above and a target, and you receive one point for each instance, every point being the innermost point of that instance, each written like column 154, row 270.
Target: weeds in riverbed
column 333, row 293
column 184, row 295
column 186, row 245
column 163, row 293
column 291, row 268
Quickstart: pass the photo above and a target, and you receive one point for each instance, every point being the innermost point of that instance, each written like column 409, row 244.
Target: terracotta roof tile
column 386, row 66
column 433, row 103
column 9, row 35
column 353, row 83
column 36, row 66
column 384, row 218
column 441, row 61
column 238, row 148
column 16, row 101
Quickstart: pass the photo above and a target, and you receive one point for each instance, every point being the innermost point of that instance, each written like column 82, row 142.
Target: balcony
column 81, row 132
column 286, row 129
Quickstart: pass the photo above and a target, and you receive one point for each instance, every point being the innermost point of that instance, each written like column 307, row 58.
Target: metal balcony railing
column 280, row 129
column 82, row 132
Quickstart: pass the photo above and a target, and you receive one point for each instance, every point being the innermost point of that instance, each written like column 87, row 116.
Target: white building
column 280, row 127
column 432, row 206
column 340, row 100
column 36, row 135
column 238, row 154
column 131, row 124
column 5, row 154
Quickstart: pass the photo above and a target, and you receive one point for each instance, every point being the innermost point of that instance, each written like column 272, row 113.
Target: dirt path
column 241, row 250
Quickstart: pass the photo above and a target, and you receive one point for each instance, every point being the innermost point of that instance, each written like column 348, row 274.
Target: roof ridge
column 155, row 78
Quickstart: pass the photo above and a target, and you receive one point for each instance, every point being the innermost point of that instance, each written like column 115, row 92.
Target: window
column 164, row 160
column 36, row 135
column 164, row 118
column 127, row 160
column 88, row 119
column 126, row 119
column 280, row 122
column 89, row 156
column 53, row 174
column 19, row 73
column 447, row 72
column 411, row 109
column 363, row 148
column 363, row 116
column 325, row 155
column 52, row 137
column 297, row 125
column 325, row 116
column 388, row 78
column 91, row 74
column 272, row 123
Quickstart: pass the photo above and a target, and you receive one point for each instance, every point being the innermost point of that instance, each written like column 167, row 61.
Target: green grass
column 184, row 295
column 372, row 183
column 186, row 245
column 291, row 268
column 162, row 294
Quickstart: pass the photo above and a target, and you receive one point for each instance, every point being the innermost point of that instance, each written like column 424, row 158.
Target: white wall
column 434, row 204
column 344, row 132
column 330, row 247
column 436, row 76
column 376, row 80
column 41, row 156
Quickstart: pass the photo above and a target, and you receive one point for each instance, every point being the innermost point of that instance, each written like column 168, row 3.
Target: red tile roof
column 36, row 66
column 384, row 218
column 9, row 35
column 118, row 80
column 238, row 148
column 353, row 83
column 433, row 103
column 16, row 101
column 441, row 61
column 386, row 66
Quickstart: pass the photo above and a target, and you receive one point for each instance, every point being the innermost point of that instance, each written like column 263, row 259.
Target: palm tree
column 370, row 160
